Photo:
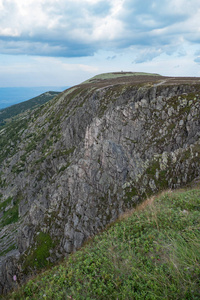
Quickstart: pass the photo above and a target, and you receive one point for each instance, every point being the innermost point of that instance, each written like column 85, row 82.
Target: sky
column 64, row 42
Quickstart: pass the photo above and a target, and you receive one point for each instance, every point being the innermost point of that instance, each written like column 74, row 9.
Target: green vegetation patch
column 2, row 183
column 31, row 146
column 5, row 203
column 116, row 75
column 130, row 193
column 10, row 248
column 10, row 208
column 10, row 136
column 152, row 253
column 39, row 252
column 18, row 168
column 12, row 214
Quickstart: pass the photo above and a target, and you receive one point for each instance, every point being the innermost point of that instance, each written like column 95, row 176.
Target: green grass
column 117, row 75
column 152, row 252
column 10, row 216
column 5, row 203
column 38, row 256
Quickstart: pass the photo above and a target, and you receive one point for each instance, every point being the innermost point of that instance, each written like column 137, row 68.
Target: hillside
column 14, row 110
column 71, row 167
column 152, row 252
column 117, row 75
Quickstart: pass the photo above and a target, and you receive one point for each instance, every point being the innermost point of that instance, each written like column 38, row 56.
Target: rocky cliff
column 72, row 166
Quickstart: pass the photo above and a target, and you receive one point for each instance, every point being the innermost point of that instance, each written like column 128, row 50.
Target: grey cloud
column 72, row 33
column 145, row 56
column 111, row 57
column 60, row 40
column 43, row 48
column 146, row 15
column 194, row 37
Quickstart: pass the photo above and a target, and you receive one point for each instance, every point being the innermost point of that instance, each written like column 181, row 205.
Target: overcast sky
column 63, row 42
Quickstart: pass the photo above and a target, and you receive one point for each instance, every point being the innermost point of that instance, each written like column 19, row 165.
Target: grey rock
column 88, row 156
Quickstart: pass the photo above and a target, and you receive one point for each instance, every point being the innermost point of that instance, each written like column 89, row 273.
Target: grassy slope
column 116, row 75
column 16, row 109
column 151, row 253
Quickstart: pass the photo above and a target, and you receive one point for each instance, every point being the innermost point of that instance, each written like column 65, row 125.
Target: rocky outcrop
column 88, row 155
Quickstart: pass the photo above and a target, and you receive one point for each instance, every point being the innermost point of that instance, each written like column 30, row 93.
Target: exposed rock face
column 86, row 157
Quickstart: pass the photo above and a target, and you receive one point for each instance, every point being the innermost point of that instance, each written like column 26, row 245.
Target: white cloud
column 11, row 32
column 147, row 55
column 45, row 62
column 80, row 28
column 43, row 71
column 147, row 33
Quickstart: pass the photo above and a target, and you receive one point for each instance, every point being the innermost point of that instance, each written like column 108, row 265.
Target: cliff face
column 71, row 167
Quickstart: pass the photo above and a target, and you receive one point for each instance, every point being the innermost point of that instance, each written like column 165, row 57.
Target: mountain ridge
column 116, row 75
column 72, row 166
column 19, row 108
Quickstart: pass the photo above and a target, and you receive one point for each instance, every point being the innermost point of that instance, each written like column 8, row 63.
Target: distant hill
column 16, row 109
column 117, row 75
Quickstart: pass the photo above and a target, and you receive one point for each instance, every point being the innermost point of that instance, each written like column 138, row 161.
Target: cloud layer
column 64, row 42
column 77, row 28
